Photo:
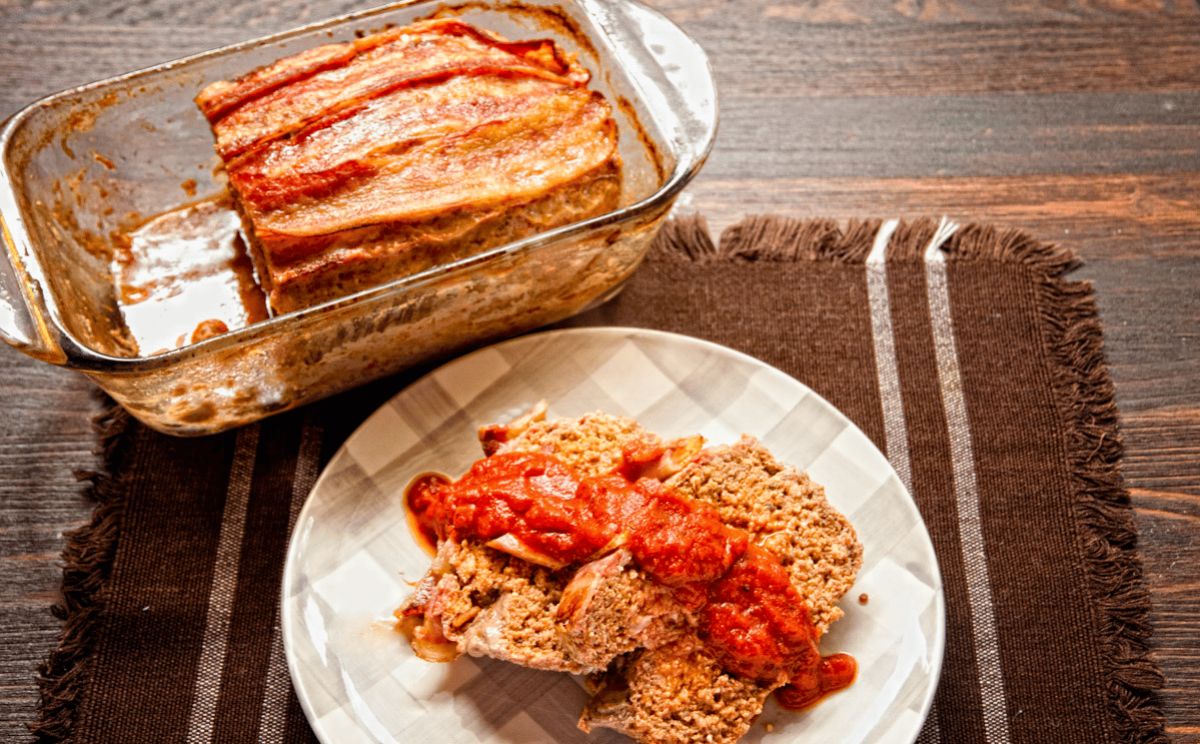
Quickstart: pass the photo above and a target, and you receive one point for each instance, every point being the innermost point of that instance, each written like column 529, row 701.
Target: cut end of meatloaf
column 786, row 513
column 489, row 603
column 676, row 694
column 609, row 609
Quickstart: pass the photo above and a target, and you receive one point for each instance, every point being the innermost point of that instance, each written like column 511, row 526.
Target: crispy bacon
column 492, row 436
column 650, row 457
column 340, row 157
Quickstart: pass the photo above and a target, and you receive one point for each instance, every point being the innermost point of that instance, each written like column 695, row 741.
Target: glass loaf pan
column 79, row 165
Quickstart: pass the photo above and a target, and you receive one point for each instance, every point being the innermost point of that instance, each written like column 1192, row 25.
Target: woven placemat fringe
column 1071, row 323
column 87, row 561
column 684, row 238
column 985, row 242
column 1070, row 320
column 778, row 239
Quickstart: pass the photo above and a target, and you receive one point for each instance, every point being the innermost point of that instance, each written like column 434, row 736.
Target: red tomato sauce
column 752, row 618
column 836, row 672
column 419, row 499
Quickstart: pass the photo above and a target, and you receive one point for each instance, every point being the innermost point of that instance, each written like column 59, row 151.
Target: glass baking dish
column 79, row 166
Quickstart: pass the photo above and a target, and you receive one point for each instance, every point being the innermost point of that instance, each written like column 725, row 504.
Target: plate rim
column 290, row 559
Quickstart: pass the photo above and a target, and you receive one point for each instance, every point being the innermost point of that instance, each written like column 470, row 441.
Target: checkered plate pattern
column 352, row 557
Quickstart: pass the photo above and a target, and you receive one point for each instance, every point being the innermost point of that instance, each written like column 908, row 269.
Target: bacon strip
column 352, row 163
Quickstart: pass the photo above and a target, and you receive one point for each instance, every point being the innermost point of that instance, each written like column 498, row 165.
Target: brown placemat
column 974, row 365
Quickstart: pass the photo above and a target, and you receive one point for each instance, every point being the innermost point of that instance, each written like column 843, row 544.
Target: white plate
column 352, row 553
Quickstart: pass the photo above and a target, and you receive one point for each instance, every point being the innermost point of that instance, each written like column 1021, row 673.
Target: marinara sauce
column 751, row 617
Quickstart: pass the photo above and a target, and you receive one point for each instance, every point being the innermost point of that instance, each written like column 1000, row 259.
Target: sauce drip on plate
column 418, row 500
column 835, row 672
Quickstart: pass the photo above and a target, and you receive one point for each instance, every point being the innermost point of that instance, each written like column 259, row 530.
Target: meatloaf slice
column 489, row 603
column 786, row 513
column 486, row 603
column 609, row 608
column 678, row 693
column 591, row 444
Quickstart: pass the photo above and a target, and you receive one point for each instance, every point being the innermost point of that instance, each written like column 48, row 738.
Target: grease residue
column 548, row 17
column 652, row 152
column 104, row 161
column 184, row 276
column 72, row 194
column 82, row 118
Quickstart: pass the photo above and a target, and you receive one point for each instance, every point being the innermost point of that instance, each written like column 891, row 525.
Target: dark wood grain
column 1077, row 120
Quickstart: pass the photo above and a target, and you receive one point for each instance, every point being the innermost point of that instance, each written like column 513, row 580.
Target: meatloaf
column 652, row 676
column 356, row 163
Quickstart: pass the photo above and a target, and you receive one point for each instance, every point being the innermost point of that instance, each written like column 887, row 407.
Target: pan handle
column 21, row 324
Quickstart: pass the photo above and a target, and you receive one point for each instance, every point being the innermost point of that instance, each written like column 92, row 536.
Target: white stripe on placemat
column 966, row 494
column 894, row 429
column 272, row 722
column 887, row 370
column 224, row 586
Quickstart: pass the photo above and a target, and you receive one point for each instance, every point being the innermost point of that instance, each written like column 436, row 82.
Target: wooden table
column 1077, row 120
